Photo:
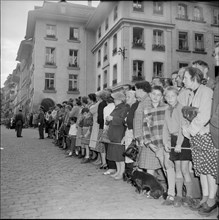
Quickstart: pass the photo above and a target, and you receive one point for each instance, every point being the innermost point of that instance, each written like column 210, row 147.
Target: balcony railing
column 137, row 78
column 73, row 89
column 114, row 82
column 50, row 63
column 158, row 47
column 73, row 65
column 138, row 44
column 200, row 49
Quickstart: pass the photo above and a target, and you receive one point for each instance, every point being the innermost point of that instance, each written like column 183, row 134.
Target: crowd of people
column 174, row 123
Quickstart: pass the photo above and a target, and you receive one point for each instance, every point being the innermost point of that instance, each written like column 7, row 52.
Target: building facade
column 71, row 50
column 60, row 64
column 139, row 40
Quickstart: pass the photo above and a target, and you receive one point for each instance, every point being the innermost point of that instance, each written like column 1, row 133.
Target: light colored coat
column 203, row 101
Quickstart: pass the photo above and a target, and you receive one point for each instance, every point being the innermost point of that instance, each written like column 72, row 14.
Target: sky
column 13, row 29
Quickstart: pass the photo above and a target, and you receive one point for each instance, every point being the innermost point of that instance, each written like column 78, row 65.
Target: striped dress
column 153, row 122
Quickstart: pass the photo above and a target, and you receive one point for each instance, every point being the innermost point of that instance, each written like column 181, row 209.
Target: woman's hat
column 118, row 96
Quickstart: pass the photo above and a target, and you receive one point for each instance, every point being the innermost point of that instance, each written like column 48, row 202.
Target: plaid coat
column 153, row 122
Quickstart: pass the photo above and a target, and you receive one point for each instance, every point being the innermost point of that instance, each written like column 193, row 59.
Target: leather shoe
column 86, row 160
column 207, row 210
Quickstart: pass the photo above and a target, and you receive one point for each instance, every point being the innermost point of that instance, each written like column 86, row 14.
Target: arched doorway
column 47, row 103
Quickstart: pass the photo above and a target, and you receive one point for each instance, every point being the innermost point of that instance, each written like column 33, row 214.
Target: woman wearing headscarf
column 116, row 133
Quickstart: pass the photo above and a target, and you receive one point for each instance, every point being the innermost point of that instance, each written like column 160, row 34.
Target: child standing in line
column 72, row 136
column 87, row 123
column 178, row 146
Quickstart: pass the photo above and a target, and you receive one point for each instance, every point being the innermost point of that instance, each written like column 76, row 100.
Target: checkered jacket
column 153, row 122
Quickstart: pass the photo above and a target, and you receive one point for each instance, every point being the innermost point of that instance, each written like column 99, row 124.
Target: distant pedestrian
column 19, row 121
column 41, row 122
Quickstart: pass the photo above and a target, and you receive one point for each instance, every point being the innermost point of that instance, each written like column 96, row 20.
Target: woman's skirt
column 85, row 141
column 100, row 147
column 204, row 155
column 185, row 153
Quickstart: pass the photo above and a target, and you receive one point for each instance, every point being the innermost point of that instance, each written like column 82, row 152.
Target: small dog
column 144, row 182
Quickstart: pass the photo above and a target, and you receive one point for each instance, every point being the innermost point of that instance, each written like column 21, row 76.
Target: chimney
column 89, row 3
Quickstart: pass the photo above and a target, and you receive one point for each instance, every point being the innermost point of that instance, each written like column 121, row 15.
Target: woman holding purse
column 204, row 157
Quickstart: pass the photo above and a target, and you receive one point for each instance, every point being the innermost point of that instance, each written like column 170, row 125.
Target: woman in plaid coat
column 153, row 122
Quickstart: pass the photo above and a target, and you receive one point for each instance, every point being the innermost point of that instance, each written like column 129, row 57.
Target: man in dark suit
column 41, row 122
column 19, row 121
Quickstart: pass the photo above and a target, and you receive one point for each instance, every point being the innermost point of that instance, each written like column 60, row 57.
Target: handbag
column 132, row 151
column 104, row 137
column 189, row 112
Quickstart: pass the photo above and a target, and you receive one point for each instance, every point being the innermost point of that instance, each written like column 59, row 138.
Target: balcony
column 114, row 51
column 137, row 78
column 183, row 49
column 199, row 50
column 73, row 91
column 114, row 82
column 182, row 17
column 138, row 45
column 158, row 47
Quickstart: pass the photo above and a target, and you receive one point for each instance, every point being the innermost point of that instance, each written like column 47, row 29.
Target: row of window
column 158, row 42
column 137, row 72
column 51, row 32
column 182, row 13
column 50, row 82
column 51, row 57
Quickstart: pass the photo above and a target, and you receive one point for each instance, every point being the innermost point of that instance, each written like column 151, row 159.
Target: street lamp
column 122, row 51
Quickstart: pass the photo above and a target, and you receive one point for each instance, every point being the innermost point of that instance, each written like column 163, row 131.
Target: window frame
column 180, row 16
column 115, row 75
column 155, row 5
column 187, row 41
column 105, row 57
column 51, row 36
column 135, row 8
column 72, row 81
column 213, row 16
column 162, row 69
column 181, row 62
column 115, row 42
column 98, row 82
column 203, row 42
column 135, row 75
column 73, row 58
column 138, row 38
column 105, row 79
column 201, row 18
column 48, row 57
column 99, row 58
column 74, row 39
column 49, row 78
column 156, row 46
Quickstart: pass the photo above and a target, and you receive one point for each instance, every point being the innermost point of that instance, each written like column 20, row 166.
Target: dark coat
column 41, row 119
column 117, row 125
column 19, row 119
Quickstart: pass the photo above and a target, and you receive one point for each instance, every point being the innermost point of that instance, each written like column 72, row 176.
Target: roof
column 59, row 11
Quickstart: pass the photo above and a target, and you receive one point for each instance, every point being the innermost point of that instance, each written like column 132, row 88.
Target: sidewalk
column 38, row 181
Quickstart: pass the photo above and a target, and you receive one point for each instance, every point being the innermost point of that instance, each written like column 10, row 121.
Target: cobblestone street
column 38, row 181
